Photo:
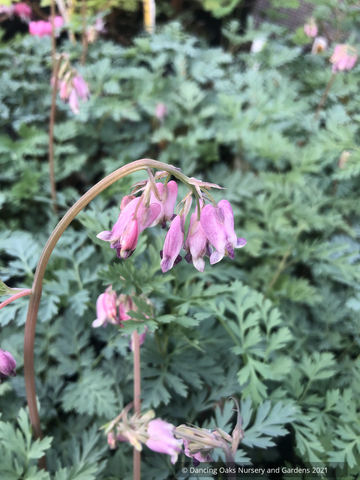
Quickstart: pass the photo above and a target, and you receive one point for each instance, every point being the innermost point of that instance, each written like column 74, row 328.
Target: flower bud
column 7, row 364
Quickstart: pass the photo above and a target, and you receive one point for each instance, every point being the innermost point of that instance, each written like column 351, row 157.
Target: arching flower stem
column 35, row 297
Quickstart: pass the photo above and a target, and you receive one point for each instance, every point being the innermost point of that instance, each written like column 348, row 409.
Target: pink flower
column 43, row 29
column 197, row 457
column 218, row 226
column 64, row 90
column 125, row 305
column 112, row 440
column 7, row 364
column 58, row 21
column 124, row 234
column 7, row 10
column 40, row 29
column 197, row 244
column 127, row 199
column 173, row 244
column 81, row 87
column 74, row 102
column 168, row 194
column 106, row 308
column 129, row 239
column 310, row 28
column 161, row 111
column 23, row 11
column 161, row 439
column 343, row 58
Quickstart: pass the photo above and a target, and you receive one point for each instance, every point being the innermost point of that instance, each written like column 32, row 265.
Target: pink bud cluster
column 21, row 10
column 93, row 31
column 7, row 364
column 156, row 434
column 310, row 28
column 44, row 29
column 214, row 229
column 71, row 88
column 343, row 58
column 113, row 308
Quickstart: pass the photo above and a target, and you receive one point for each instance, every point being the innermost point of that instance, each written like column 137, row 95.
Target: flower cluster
column 113, row 308
column 71, row 86
column 142, row 429
column 7, row 364
column 214, row 227
column 163, row 437
column 44, row 29
column 343, row 58
column 21, row 10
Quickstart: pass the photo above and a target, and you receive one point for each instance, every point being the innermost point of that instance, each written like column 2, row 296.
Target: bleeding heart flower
column 106, row 308
column 343, row 58
column 173, row 244
column 218, row 226
column 197, row 244
column 161, row 439
column 7, row 364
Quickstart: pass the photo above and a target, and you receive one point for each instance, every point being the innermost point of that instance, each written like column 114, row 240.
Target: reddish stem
column 137, row 403
column 23, row 293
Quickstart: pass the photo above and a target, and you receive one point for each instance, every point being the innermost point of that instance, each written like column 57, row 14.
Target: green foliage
column 278, row 327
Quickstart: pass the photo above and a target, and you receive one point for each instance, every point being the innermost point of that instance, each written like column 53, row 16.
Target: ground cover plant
column 277, row 327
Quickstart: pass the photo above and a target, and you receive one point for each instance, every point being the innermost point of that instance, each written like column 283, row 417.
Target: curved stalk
column 45, row 256
column 23, row 293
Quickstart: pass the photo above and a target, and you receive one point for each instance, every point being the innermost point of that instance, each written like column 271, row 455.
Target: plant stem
column 280, row 268
column 137, row 391
column 324, row 96
column 84, row 36
column 55, row 69
column 23, row 293
column 33, row 309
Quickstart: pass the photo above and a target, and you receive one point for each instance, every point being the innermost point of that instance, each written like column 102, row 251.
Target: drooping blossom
column 170, row 254
column 161, row 439
column 7, row 364
column 43, row 29
column 197, row 244
column 218, row 226
column 343, row 58
column 161, row 111
column 7, row 10
column 92, row 31
column 106, row 308
column 23, row 11
column 125, row 304
column 310, row 28
column 200, row 456
column 81, row 87
column 74, row 102
column 320, row 45
column 124, row 234
column 168, row 194
column 71, row 88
